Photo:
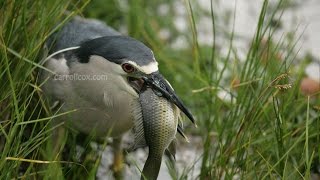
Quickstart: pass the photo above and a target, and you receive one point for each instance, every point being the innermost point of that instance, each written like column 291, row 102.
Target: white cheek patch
column 147, row 69
column 150, row 68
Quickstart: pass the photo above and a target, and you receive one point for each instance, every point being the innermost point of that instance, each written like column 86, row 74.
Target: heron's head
column 131, row 62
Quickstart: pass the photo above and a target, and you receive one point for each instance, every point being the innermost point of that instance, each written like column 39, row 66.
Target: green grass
column 267, row 130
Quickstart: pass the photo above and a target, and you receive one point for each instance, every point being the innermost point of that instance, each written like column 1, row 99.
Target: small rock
column 309, row 86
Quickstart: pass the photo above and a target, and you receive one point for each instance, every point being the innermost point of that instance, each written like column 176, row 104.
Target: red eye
column 128, row 68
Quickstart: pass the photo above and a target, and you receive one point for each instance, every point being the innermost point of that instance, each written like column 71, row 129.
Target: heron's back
column 78, row 30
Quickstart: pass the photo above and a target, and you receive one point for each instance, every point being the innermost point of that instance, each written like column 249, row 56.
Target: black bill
column 162, row 88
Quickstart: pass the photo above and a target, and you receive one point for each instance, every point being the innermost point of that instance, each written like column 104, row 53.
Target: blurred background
column 248, row 70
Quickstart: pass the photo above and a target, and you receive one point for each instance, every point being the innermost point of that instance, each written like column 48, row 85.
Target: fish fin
column 180, row 131
column 180, row 122
column 170, row 152
column 138, row 129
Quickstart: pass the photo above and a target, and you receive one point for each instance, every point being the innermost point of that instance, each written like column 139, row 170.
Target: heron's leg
column 54, row 152
column 117, row 166
column 58, row 140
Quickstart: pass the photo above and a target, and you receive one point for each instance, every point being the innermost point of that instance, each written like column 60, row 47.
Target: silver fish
column 156, row 121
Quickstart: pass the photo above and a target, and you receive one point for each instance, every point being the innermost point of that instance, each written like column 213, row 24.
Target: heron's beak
column 161, row 87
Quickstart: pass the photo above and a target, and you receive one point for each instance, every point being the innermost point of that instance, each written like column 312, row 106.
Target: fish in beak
column 156, row 119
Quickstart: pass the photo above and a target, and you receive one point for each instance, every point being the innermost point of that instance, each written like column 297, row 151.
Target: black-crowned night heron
column 114, row 84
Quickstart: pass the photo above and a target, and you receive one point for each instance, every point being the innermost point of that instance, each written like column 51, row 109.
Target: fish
column 155, row 126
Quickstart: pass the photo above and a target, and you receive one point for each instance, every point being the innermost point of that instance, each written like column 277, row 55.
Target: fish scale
column 159, row 120
column 159, row 126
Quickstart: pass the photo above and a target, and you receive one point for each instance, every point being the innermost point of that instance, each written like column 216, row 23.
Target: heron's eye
column 128, row 68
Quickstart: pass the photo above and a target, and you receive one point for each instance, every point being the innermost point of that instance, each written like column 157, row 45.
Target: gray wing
column 78, row 30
